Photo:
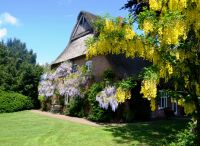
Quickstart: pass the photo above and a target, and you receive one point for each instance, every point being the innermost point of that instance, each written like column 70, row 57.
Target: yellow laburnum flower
column 170, row 34
column 109, row 26
column 177, row 54
column 181, row 102
column 122, row 95
column 149, row 89
column 147, row 26
column 177, row 5
column 129, row 33
column 162, row 72
column 189, row 108
column 140, row 47
column 155, row 4
column 153, row 104
column 169, row 68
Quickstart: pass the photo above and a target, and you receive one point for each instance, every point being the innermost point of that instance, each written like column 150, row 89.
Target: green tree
column 18, row 69
column 170, row 40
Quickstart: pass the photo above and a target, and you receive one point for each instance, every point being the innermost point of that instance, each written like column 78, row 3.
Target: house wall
column 99, row 65
column 126, row 66
column 79, row 60
column 120, row 65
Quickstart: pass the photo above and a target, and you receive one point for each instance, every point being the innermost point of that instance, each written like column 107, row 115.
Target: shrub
column 75, row 107
column 108, row 75
column 12, row 102
column 96, row 113
column 186, row 137
column 43, row 103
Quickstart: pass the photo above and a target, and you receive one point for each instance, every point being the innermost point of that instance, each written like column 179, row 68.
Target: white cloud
column 3, row 32
column 7, row 18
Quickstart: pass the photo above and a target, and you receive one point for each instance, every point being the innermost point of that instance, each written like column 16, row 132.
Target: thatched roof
column 82, row 30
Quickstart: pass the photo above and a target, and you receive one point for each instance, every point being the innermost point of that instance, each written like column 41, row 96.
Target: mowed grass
column 31, row 129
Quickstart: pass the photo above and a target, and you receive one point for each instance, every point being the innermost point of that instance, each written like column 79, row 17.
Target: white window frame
column 163, row 99
column 164, row 102
column 175, row 107
column 66, row 99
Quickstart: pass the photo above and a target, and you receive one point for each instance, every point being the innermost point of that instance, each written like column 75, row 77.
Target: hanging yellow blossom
column 171, row 33
column 147, row 26
column 129, row 33
column 122, row 95
column 153, row 104
column 109, row 26
column 155, row 4
column 177, row 5
column 177, row 54
column 189, row 107
column 169, row 68
column 149, row 89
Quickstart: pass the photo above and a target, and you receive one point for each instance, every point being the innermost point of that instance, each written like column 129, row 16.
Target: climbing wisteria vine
column 114, row 95
column 63, row 81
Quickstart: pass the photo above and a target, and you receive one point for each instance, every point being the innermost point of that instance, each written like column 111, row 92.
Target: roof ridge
column 90, row 19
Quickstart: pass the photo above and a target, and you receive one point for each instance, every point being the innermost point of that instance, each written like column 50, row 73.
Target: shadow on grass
column 147, row 133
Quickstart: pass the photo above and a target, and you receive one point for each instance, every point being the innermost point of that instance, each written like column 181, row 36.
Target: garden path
column 67, row 118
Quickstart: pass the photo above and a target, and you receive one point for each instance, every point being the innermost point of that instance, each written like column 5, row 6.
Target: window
column 163, row 99
column 74, row 67
column 89, row 65
column 66, row 99
column 164, row 96
column 175, row 106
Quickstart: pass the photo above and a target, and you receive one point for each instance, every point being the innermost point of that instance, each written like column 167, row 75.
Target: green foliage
column 41, row 98
column 108, row 75
column 127, row 84
column 149, row 73
column 43, row 102
column 19, row 69
column 185, row 137
column 12, row 102
column 96, row 113
column 75, row 107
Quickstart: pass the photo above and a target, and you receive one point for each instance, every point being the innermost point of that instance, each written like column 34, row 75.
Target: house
column 75, row 52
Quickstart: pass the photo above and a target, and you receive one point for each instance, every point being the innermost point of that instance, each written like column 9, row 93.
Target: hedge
column 12, row 102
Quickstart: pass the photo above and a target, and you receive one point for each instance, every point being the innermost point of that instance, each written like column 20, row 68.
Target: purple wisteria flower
column 46, row 88
column 64, row 81
column 63, row 70
column 107, row 97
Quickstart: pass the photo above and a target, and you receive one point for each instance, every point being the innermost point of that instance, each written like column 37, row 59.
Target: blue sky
column 45, row 25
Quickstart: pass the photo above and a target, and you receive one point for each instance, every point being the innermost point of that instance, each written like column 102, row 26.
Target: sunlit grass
column 27, row 128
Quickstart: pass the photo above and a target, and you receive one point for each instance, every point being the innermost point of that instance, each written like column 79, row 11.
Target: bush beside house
column 12, row 102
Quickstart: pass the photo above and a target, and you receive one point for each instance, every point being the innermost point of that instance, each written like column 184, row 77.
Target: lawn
column 27, row 128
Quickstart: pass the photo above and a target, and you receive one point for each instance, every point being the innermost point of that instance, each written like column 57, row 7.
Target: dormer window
column 81, row 29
